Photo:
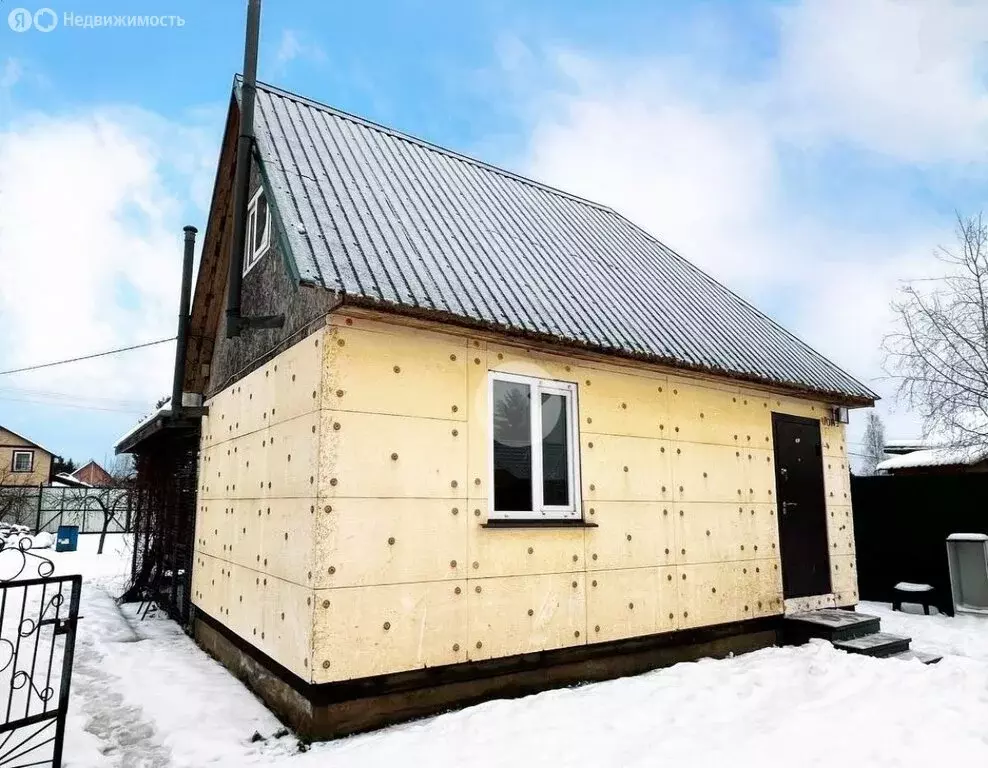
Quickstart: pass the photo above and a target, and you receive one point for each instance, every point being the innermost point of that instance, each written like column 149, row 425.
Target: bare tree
column 939, row 351
column 874, row 444
column 121, row 469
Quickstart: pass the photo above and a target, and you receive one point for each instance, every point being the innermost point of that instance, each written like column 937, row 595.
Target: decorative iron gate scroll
column 38, row 616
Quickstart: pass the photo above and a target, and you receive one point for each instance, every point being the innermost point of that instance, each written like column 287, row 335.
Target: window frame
column 13, row 461
column 253, row 254
column 541, row 511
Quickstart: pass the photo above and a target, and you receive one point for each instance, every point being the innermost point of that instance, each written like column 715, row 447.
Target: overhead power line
column 87, row 357
column 80, row 406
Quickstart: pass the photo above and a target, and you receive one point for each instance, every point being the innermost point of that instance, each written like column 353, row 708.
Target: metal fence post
column 37, row 524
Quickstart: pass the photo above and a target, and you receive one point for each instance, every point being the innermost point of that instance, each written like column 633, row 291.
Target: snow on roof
column 26, row 439
column 165, row 406
column 943, row 456
column 907, row 446
column 64, row 480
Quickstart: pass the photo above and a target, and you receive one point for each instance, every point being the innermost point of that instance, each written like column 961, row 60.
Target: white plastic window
column 258, row 238
column 23, row 461
column 534, row 464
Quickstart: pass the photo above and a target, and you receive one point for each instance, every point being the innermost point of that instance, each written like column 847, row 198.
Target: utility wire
column 78, row 406
column 59, row 396
column 87, row 357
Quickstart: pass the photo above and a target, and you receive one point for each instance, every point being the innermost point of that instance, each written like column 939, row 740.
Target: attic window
column 258, row 229
column 23, row 461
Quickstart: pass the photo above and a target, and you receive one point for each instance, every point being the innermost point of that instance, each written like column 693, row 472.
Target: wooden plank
column 362, row 542
column 406, row 373
column 631, row 603
column 523, row 614
column 367, row 455
column 619, row 468
column 374, row 630
column 631, row 534
column 524, row 551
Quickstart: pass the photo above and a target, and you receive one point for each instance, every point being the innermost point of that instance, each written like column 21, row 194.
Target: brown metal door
column 802, row 506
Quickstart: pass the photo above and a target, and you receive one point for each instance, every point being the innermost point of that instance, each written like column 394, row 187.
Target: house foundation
column 331, row 710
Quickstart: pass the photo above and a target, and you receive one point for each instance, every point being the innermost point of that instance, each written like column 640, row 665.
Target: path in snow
column 143, row 694
column 127, row 737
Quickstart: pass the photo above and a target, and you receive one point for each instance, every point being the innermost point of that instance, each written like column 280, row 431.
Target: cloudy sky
column 811, row 154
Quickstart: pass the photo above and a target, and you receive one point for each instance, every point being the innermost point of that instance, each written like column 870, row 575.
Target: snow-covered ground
column 144, row 695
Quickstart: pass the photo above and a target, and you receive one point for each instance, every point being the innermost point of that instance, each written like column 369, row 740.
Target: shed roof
column 395, row 222
column 944, row 456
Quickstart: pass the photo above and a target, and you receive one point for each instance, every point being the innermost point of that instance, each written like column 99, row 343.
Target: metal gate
column 38, row 617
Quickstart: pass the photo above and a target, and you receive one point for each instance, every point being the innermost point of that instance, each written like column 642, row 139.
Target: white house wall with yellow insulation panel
column 345, row 525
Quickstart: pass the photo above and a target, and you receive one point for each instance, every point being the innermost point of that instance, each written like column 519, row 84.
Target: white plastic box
column 967, row 556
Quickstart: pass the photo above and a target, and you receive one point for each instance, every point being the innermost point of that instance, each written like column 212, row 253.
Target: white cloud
column 294, row 45
column 900, row 78
column 90, row 247
column 701, row 160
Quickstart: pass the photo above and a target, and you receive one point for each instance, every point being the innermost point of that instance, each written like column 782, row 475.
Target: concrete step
column 833, row 624
column 921, row 656
column 877, row 644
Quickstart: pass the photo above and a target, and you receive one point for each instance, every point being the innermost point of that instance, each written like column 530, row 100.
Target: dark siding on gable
column 268, row 289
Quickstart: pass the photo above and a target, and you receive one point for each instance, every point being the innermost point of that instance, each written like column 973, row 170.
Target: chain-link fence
column 42, row 508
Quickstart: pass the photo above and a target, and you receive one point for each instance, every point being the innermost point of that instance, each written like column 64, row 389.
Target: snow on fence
column 42, row 508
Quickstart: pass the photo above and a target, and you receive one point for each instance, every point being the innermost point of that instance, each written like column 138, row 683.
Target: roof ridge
column 426, row 144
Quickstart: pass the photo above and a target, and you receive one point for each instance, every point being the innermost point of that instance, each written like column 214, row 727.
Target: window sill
column 538, row 523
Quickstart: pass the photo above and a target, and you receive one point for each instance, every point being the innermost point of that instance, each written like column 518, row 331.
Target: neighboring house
column 65, row 480
column 899, row 447
column 93, row 474
column 505, row 439
column 944, row 460
column 22, row 461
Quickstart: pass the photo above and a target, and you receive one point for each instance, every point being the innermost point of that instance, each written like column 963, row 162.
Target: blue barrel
column 67, row 538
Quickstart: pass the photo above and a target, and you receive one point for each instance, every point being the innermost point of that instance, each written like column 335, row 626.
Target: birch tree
column 939, row 350
column 874, row 444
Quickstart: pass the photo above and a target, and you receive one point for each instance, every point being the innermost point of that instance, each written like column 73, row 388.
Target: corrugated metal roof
column 388, row 218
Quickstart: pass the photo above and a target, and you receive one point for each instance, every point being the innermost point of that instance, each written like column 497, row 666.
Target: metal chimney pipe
column 241, row 181
column 185, row 299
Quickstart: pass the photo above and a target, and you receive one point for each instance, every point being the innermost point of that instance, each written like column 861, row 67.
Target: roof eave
column 836, row 398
